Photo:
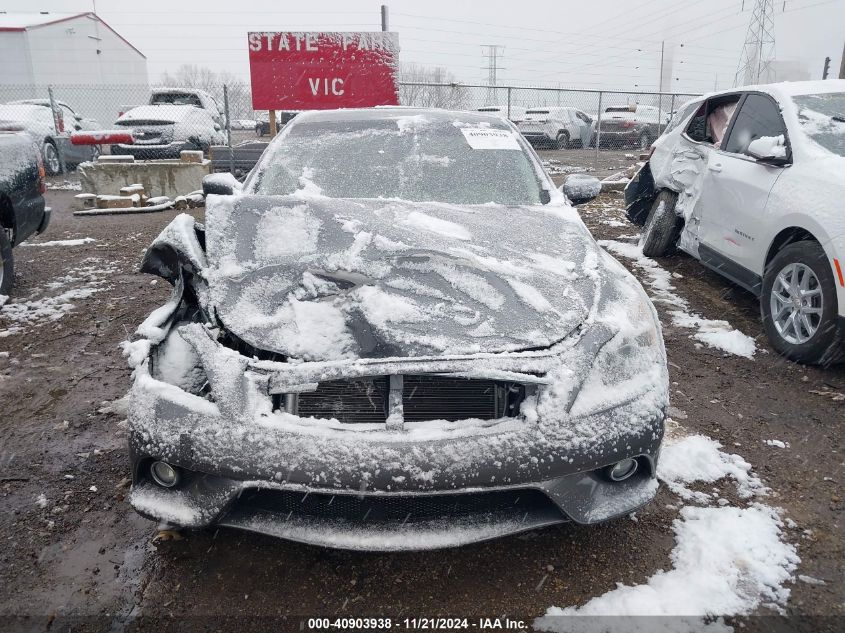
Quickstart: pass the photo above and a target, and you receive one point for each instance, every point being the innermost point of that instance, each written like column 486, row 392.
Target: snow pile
column 698, row 458
column 726, row 561
column 715, row 333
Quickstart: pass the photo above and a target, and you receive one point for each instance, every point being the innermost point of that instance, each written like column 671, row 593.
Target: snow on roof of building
column 24, row 21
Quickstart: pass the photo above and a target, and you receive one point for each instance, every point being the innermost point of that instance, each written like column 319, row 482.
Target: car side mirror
column 769, row 149
column 580, row 188
column 78, row 117
column 223, row 184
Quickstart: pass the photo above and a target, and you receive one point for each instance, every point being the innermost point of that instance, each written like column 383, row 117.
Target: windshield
column 411, row 158
column 822, row 118
column 176, row 99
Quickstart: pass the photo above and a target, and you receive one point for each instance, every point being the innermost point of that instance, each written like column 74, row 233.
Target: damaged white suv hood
column 316, row 278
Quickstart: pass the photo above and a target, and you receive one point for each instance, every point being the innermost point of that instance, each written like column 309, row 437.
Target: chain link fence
column 547, row 117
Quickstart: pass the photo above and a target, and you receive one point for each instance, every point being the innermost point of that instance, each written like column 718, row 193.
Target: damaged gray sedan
column 397, row 335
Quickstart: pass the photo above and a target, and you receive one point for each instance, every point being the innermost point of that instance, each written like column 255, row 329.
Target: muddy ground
column 80, row 550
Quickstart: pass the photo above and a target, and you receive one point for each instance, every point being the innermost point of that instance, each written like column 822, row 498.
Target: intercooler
column 424, row 397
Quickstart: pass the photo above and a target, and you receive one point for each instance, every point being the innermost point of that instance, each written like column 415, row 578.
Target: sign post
column 322, row 71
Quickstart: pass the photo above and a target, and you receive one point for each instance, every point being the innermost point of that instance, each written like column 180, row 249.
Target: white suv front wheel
column 799, row 306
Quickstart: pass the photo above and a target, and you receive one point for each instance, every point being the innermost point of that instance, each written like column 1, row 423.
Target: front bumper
column 538, row 139
column 620, row 137
column 379, row 521
column 380, row 478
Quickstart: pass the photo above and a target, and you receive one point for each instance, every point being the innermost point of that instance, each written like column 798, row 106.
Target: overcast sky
column 584, row 43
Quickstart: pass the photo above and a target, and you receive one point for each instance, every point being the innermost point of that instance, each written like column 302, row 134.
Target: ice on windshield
column 822, row 118
column 411, row 158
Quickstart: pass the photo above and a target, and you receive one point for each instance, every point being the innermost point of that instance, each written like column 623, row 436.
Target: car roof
column 786, row 89
column 387, row 113
column 39, row 102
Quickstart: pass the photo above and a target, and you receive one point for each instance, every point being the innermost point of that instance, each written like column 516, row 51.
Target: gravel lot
column 81, row 551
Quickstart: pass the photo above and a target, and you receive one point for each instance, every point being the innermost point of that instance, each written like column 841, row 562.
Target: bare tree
column 431, row 88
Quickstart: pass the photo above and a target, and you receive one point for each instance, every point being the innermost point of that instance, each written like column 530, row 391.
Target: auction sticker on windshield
column 488, row 138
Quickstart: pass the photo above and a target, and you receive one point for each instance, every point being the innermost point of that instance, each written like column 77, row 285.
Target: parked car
column 357, row 355
column 190, row 96
column 54, row 141
column 631, row 126
column 557, row 127
column 513, row 113
column 750, row 181
column 244, row 124
column 22, row 210
column 262, row 126
column 72, row 119
column 163, row 131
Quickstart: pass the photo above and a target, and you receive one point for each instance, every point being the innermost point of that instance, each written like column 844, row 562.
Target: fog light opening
column 164, row 474
column 621, row 470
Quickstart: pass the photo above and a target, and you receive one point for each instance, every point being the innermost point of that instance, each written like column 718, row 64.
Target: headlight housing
column 632, row 362
column 176, row 362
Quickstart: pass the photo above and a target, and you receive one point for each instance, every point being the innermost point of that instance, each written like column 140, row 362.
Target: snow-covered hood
column 319, row 279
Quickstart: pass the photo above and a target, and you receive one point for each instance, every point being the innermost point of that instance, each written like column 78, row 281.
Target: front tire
column 644, row 142
column 562, row 141
column 7, row 263
column 799, row 306
column 661, row 227
column 52, row 164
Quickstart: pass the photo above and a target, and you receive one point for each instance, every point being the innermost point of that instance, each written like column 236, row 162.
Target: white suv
column 558, row 127
column 751, row 182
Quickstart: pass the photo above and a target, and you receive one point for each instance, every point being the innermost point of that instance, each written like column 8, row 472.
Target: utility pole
column 660, row 89
column 384, row 24
column 662, row 50
column 492, row 55
column 826, row 70
column 842, row 65
column 758, row 52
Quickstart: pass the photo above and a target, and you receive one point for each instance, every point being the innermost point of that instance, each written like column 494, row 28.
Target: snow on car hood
column 323, row 279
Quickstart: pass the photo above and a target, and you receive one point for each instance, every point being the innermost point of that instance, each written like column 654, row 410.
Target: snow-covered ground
column 729, row 558
column 51, row 302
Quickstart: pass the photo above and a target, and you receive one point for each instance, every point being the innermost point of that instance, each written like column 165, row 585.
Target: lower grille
column 424, row 397
column 400, row 509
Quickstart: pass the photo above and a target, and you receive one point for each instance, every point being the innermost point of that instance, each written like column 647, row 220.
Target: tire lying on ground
column 7, row 265
column 661, row 228
column 799, row 306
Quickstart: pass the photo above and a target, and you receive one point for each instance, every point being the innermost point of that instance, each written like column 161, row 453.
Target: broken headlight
column 176, row 362
column 631, row 363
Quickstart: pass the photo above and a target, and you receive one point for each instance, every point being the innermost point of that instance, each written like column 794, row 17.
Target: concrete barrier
column 169, row 178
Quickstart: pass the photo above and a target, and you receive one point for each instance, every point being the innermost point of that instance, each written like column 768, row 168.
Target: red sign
column 322, row 71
